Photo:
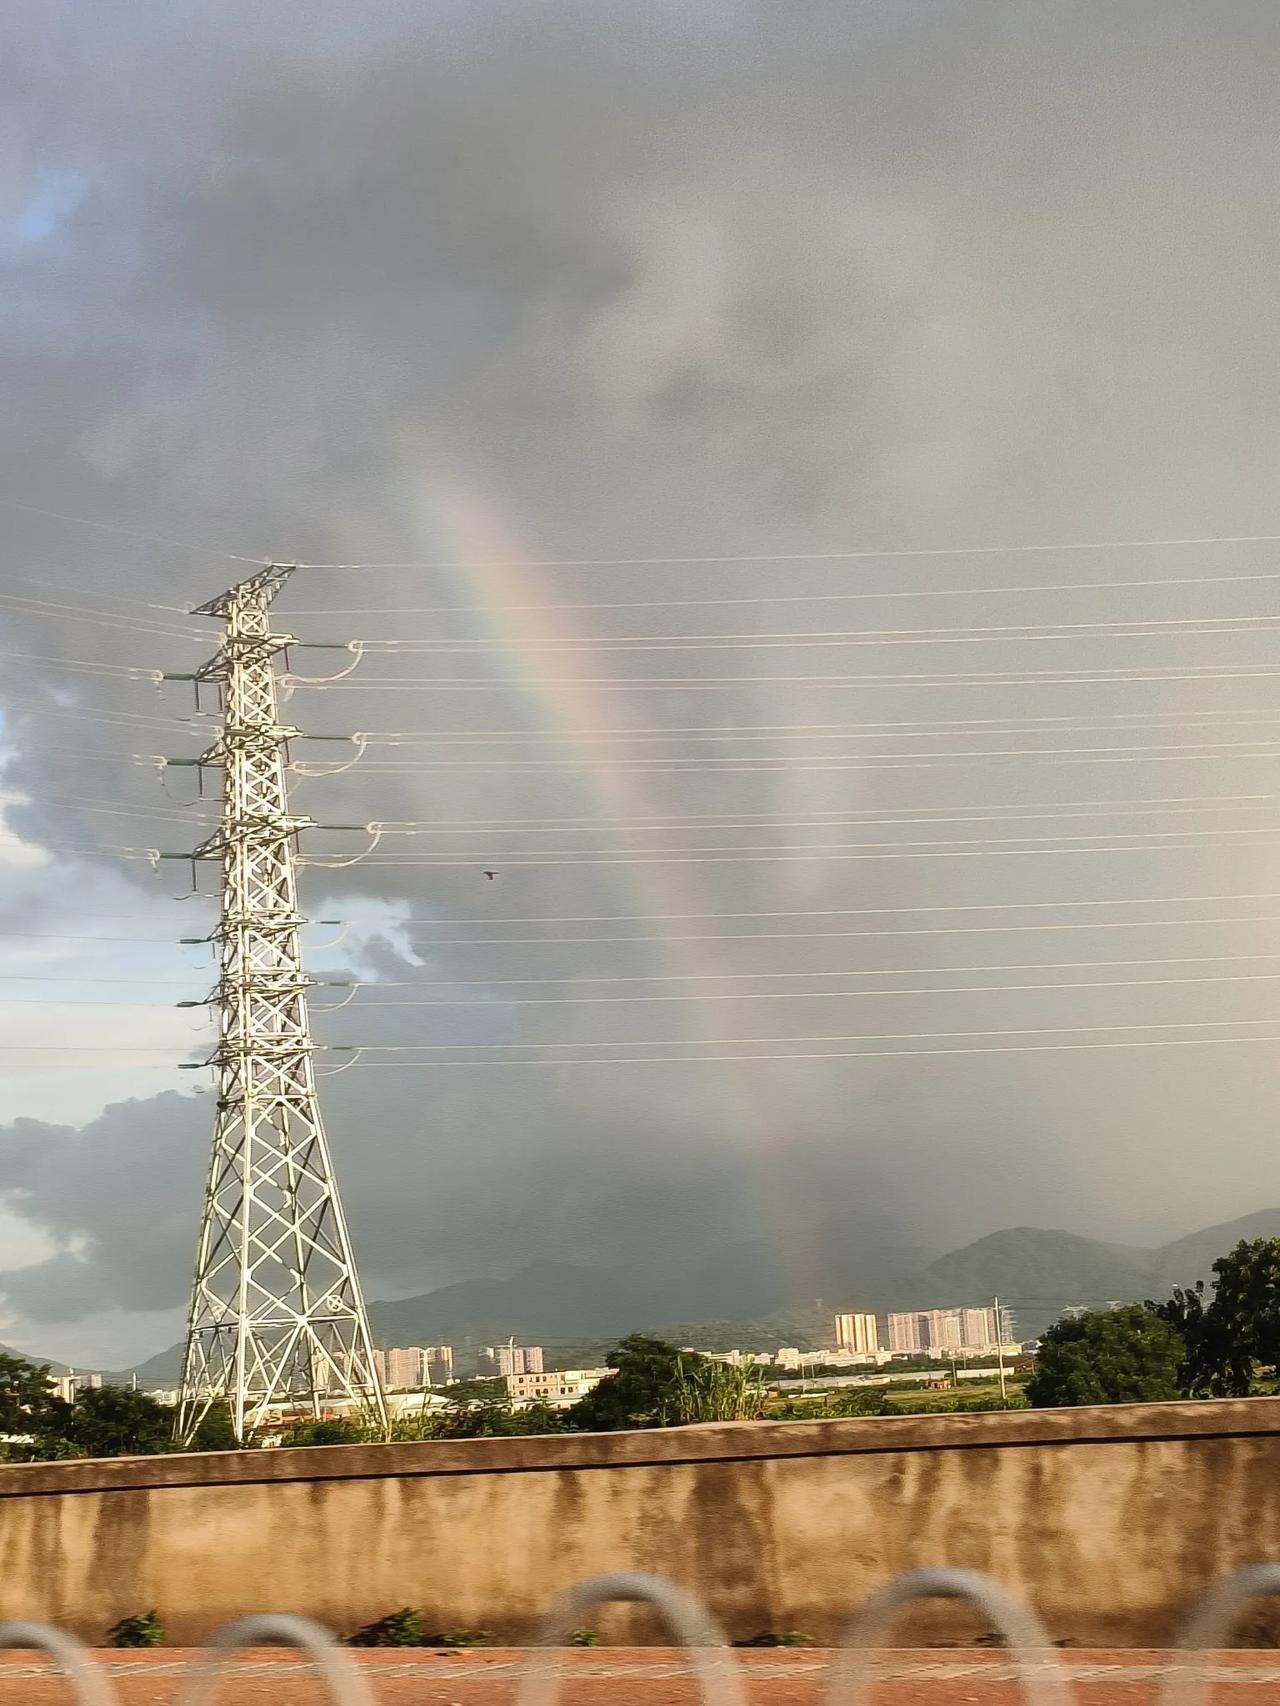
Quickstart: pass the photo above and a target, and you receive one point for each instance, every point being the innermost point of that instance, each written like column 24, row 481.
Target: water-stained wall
column 1107, row 1520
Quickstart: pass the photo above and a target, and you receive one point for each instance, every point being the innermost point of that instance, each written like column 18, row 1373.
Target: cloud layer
column 507, row 282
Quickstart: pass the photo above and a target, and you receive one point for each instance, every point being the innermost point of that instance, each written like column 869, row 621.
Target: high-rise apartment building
column 518, row 1359
column 409, row 1368
column 978, row 1329
column 439, row 1364
column 907, row 1333
column 857, row 1331
column 942, row 1329
column 405, row 1368
column 945, row 1330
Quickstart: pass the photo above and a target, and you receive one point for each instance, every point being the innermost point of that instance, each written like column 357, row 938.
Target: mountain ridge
column 574, row 1311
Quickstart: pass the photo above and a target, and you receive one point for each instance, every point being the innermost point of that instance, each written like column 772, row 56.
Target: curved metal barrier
column 1208, row 1628
column 345, row 1680
column 72, row 1658
column 1039, row 1672
column 720, row 1677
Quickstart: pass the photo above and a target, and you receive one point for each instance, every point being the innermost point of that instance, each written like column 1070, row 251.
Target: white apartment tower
column 857, row 1331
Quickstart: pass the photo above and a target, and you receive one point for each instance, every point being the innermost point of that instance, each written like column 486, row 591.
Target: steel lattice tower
column 277, row 1316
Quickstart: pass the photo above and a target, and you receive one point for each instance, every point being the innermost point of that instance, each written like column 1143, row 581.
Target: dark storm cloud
column 634, row 279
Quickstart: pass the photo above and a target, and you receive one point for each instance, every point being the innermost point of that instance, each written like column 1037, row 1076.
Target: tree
column 644, row 1393
column 1228, row 1338
column 215, row 1431
column 635, row 1395
column 112, row 1421
column 1111, row 1356
column 32, row 1416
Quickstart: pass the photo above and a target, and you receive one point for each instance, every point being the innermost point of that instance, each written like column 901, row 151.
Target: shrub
column 400, row 1629
column 461, row 1638
column 585, row 1638
column 143, row 1630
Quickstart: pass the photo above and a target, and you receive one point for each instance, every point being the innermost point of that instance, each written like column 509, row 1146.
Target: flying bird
column 492, row 875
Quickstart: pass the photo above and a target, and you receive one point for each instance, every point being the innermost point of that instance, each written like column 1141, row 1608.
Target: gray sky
column 507, row 283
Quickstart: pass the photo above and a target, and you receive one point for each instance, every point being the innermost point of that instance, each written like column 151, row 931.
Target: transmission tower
column 277, row 1317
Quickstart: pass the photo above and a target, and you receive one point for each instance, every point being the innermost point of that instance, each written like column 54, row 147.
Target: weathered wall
column 1107, row 1520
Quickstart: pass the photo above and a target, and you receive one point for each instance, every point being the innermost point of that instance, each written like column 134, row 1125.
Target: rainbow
column 449, row 520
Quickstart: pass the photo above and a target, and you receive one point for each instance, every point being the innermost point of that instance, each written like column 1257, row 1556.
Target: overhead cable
column 1179, row 628
column 824, row 994
column 501, row 606
column 127, row 532
column 696, row 821
column 1154, row 837
column 704, row 684
column 857, row 911
column 639, row 765
column 813, row 556
column 745, row 856
column 913, row 728
column 756, row 1058
column 758, row 976
column 661, row 940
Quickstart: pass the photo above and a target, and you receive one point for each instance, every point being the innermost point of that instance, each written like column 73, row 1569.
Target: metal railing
column 720, row 1677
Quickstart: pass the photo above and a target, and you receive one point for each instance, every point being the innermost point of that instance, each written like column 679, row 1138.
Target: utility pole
column 277, row 1317
column 1000, row 1349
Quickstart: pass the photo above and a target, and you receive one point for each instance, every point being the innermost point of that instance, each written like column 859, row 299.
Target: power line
column 102, row 714
column 639, row 765
column 88, row 1048
column 812, row 763
column 118, row 621
column 65, row 1001
column 73, row 802
column 819, row 994
column 502, row 606
column 961, row 678
column 698, row 821
column 855, row 1037
column 812, row 556
column 1172, row 628
column 758, row 976
column 488, row 1065
column 910, row 728
column 44, row 583
column 842, row 935
column 127, row 532
column 88, row 665
column 855, row 911
column 132, row 982
column 1152, row 837
column 43, row 936
column 745, row 856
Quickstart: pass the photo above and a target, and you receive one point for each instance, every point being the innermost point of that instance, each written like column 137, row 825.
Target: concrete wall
column 1107, row 1520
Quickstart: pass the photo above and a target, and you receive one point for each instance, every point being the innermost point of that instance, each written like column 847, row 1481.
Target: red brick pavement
column 614, row 1676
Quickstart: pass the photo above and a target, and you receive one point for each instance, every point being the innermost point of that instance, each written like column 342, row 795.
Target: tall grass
column 713, row 1392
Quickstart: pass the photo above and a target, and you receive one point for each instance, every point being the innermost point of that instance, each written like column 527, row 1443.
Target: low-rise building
column 556, row 1387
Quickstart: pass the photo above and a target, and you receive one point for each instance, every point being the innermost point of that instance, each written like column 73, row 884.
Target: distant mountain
column 747, row 1296
column 1040, row 1272
column 54, row 1366
column 1191, row 1258
column 552, row 1298
column 1034, row 1265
